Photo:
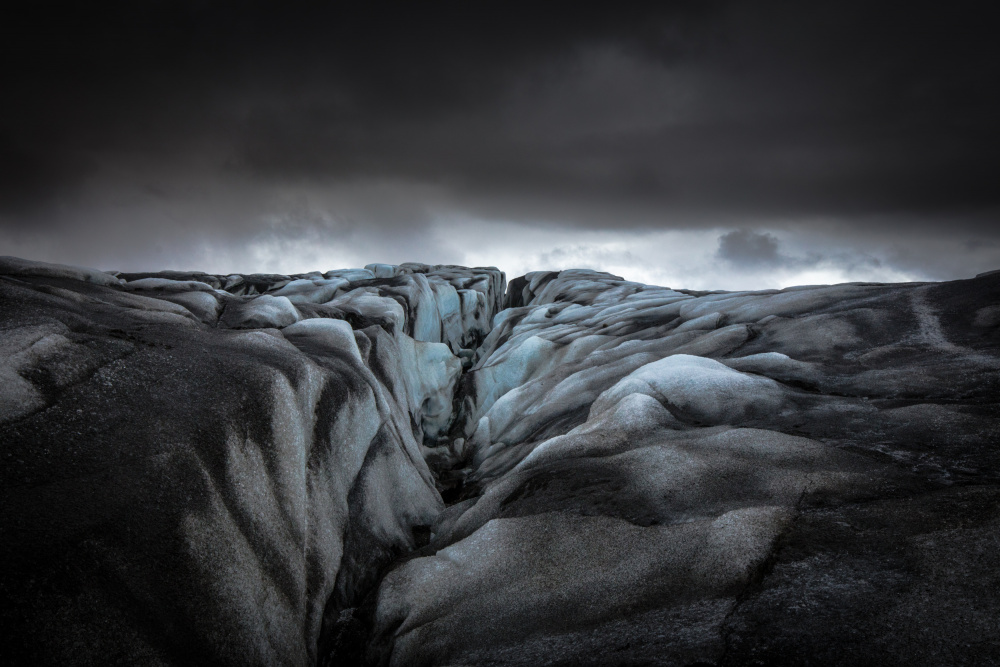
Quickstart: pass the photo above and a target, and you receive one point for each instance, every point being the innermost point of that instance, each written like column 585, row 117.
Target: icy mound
column 652, row 476
column 194, row 475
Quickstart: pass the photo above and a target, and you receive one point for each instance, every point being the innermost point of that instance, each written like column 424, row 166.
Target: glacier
column 427, row 465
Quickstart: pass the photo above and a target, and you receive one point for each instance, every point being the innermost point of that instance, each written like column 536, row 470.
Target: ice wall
column 211, row 469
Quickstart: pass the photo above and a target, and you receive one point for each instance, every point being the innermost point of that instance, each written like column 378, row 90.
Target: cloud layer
column 784, row 136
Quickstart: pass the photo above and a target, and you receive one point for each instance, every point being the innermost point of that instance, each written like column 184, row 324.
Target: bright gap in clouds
column 741, row 258
column 691, row 259
column 706, row 259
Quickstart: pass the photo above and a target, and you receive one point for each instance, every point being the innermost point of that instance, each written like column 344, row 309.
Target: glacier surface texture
column 428, row 465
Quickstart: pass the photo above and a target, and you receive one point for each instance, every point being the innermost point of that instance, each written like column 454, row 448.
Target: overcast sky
column 703, row 144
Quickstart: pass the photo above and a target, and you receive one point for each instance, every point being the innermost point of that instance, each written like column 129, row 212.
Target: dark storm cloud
column 747, row 248
column 207, row 119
